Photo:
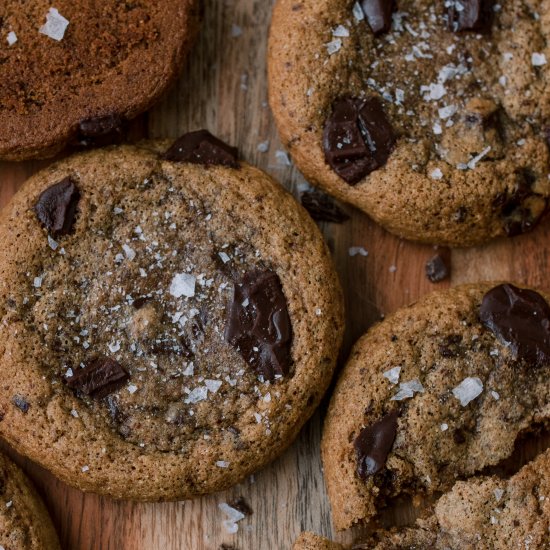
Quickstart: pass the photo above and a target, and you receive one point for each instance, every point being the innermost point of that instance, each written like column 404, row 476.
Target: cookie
column 431, row 119
column 24, row 520
column 74, row 73
column 170, row 319
column 485, row 513
column 437, row 392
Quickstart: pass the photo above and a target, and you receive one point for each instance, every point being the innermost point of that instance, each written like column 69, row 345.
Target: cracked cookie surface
column 455, row 149
column 129, row 367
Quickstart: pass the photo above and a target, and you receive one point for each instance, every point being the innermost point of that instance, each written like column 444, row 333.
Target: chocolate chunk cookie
column 432, row 117
column 75, row 73
column 436, row 392
column 485, row 513
column 24, row 520
column 170, row 319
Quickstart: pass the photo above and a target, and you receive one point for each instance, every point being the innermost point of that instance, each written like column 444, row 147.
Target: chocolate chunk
column 21, row 403
column 56, row 207
column 98, row 379
column 100, row 131
column 258, row 324
column 241, row 505
column 358, row 138
column 201, row 147
column 373, row 444
column 520, row 319
column 521, row 209
column 322, row 208
column 378, row 14
column 437, row 269
column 470, row 15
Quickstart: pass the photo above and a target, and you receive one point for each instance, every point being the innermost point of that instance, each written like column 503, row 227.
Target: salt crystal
column 236, row 31
column 447, row 111
column 436, row 174
column 263, row 147
column 52, row 244
column 358, row 12
column 11, row 38
column 129, row 252
column 85, row 468
column 498, row 494
column 392, row 375
column 37, row 283
column 503, row 81
column 267, row 398
column 538, row 59
column 74, row 413
column 113, row 348
column 472, row 163
column 437, row 91
column 258, row 417
column 9, row 504
column 69, row 373
column 224, row 257
column 182, row 284
column 392, row 268
column 142, row 272
column 233, row 516
column 213, row 385
column 468, row 390
column 357, row 250
column 437, row 130
column 340, row 31
column 117, row 210
column 495, row 395
column 334, row 46
column 444, row 427
column 189, row 371
column 132, row 388
column 508, row 56
column 55, row 25
column 222, row 464
column 198, row 394
column 408, row 389
column 282, row 158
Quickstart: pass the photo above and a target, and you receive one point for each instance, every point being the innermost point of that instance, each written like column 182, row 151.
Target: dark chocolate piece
column 100, row 131
column 56, row 206
column 470, row 15
column 21, row 403
column 201, row 147
column 100, row 378
column 322, row 208
column 520, row 319
column 258, row 324
column 358, row 138
column 373, row 444
column 437, row 269
column 378, row 14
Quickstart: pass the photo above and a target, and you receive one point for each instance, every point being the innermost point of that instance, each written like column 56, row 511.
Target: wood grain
column 224, row 89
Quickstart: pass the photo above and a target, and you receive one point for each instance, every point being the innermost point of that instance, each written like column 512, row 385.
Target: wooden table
column 224, row 89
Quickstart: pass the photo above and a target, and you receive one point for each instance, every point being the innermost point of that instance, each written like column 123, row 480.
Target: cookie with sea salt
column 170, row 319
column 24, row 520
column 73, row 73
column 437, row 392
column 431, row 117
column 485, row 513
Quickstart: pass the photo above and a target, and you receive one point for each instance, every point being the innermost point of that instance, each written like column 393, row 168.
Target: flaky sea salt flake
column 358, row 12
column 408, row 389
column 196, row 395
column 468, row 390
column 213, row 385
column 11, row 38
column 357, row 251
column 392, row 374
column 340, row 32
column 498, row 494
column 55, row 25
column 538, row 59
column 233, row 517
column 183, row 284
column 334, row 46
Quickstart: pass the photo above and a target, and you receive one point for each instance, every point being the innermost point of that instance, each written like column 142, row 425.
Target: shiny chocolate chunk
column 201, row 147
column 437, row 267
column 258, row 324
column 100, row 131
column 520, row 319
column 378, row 14
column 470, row 15
column 373, row 444
column 56, row 207
column 322, row 208
column 358, row 138
column 100, row 378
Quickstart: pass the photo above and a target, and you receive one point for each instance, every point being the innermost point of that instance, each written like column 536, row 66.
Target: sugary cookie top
column 161, row 310
column 434, row 106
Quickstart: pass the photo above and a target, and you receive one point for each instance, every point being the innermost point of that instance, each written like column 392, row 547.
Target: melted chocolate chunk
column 378, row 14
column 99, row 378
column 21, row 403
column 358, row 138
column 519, row 319
column 322, row 208
column 470, row 15
column 258, row 324
column 201, row 147
column 56, row 207
column 373, row 444
column 100, row 131
column 437, row 269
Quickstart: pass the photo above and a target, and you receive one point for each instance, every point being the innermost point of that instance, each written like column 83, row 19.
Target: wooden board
column 224, row 89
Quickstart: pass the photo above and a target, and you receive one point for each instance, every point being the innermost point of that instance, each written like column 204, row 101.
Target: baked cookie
column 485, row 513
column 432, row 117
column 74, row 73
column 24, row 520
column 170, row 319
column 437, row 392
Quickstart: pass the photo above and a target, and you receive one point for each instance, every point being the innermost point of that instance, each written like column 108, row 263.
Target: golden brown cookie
column 170, row 319
column 431, row 119
column 24, row 520
column 437, row 392
column 74, row 72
